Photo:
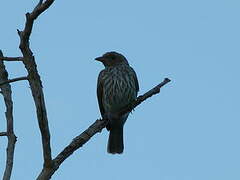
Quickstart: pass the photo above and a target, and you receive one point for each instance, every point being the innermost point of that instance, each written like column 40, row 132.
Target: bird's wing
column 100, row 92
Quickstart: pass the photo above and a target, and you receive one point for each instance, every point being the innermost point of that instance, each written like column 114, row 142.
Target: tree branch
column 96, row 127
column 3, row 133
column 30, row 17
column 7, row 94
column 11, row 58
column 14, row 80
column 34, row 78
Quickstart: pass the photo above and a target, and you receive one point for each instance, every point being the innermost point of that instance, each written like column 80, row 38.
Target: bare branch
column 11, row 58
column 96, row 127
column 7, row 94
column 34, row 78
column 30, row 17
column 80, row 140
column 14, row 80
column 3, row 133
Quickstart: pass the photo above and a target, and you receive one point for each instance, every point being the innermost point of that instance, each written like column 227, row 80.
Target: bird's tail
column 115, row 140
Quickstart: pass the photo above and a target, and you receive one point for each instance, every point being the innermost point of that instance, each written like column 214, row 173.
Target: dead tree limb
column 96, row 127
column 34, row 79
column 7, row 94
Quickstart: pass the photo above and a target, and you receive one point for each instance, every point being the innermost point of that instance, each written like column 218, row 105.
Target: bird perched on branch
column 117, row 87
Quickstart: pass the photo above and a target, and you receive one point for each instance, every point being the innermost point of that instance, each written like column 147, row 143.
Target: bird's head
column 112, row 59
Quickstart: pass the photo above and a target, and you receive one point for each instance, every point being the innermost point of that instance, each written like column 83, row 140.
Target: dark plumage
column 117, row 86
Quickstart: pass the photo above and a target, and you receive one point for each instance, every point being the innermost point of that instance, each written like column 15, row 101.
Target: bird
column 117, row 87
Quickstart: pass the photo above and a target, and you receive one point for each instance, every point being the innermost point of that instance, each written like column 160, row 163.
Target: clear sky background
column 190, row 131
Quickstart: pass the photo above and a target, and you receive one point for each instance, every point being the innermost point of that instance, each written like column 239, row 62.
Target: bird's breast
column 119, row 88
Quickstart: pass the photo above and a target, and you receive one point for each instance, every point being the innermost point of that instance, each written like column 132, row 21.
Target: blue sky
column 190, row 131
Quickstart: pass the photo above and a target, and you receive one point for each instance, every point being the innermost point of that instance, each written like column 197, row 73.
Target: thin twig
column 7, row 94
column 14, row 80
column 96, row 127
column 11, row 58
column 34, row 78
column 3, row 133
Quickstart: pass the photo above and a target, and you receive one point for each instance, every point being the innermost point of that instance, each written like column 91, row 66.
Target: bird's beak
column 99, row 59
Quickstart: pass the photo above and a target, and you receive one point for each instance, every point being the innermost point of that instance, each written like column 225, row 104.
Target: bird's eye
column 113, row 57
